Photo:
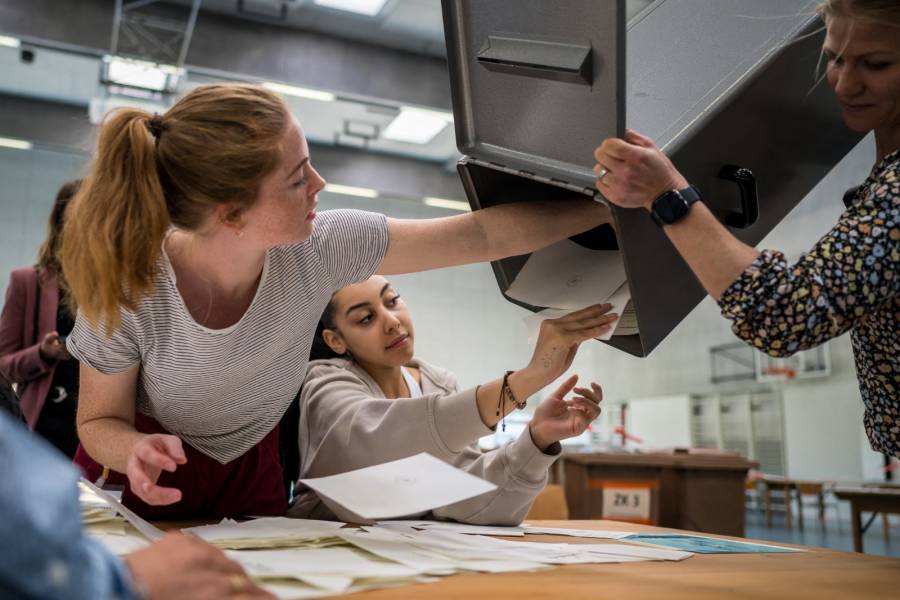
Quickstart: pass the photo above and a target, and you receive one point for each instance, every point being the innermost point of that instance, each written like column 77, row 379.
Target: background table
column 699, row 492
column 871, row 499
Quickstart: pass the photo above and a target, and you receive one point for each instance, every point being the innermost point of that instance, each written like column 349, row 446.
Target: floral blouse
column 850, row 280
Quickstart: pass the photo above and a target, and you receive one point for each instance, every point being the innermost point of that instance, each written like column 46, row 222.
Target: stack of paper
column 565, row 277
column 95, row 509
column 270, row 532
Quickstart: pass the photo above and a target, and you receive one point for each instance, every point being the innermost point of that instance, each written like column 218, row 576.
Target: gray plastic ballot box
column 732, row 90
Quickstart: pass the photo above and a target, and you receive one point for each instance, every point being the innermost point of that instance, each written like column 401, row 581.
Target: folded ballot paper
column 271, row 532
column 409, row 486
column 565, row 277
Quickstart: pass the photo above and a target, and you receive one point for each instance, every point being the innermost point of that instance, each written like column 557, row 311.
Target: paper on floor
column 408, row 486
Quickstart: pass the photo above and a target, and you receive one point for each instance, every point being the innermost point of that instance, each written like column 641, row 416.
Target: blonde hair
column 880, row 12
column 213, row 147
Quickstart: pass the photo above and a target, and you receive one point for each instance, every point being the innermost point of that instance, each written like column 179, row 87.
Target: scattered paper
column 456, row 527
column 147, row 530
column 582, row 533
column 399, row 488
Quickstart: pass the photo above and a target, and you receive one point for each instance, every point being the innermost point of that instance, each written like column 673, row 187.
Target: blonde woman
column 200, row 268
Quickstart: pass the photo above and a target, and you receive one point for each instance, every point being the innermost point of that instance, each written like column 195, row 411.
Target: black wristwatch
column 672, row 206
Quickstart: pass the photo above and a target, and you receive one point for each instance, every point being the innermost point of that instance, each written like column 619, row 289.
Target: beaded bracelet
column 506, row 393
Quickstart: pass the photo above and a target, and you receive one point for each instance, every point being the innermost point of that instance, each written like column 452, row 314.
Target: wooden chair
column 810, row 488
column 550, row 505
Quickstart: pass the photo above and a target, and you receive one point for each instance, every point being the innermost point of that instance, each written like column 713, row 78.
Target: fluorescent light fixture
column 416, row 125
column 291, row 90
column 349, row 190
column 14, row 143
column 369, row 8
column 9, row 42
column 139, row 74
column 445, row 203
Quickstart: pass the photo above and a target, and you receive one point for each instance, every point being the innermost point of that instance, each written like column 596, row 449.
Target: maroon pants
column 250, row 485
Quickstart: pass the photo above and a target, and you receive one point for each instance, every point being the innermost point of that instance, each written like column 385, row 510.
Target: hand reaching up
column 557, row 418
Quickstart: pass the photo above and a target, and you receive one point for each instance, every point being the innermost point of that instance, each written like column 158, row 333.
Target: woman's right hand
column 52, row 348
column 559, row 339
column 151, row 455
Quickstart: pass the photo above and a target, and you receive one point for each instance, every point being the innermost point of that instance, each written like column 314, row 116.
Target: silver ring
column 603, row 173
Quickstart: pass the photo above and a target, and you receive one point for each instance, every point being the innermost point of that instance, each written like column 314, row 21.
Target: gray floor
column 835, row 533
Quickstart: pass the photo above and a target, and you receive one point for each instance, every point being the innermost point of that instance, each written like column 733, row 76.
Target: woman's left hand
column 556, row 418
column 633, row 172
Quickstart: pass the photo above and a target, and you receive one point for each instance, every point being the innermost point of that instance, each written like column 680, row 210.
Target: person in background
column 200, row 268
column 35, row 320
column 850, row 279
column 47, row 556
column 375, row 402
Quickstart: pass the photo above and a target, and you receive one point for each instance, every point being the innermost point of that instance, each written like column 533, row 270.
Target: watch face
column 670, row 207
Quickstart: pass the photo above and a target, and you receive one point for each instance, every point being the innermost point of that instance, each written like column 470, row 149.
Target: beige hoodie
column 346, row 423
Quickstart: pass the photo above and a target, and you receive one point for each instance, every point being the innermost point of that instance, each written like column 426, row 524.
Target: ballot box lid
column 537, row 85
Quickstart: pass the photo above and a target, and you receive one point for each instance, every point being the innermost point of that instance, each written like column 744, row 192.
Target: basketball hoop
column 782, row 372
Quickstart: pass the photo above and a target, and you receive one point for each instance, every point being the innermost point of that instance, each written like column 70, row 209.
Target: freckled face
column 374, row 323
column 285, row 209
column 864, row 72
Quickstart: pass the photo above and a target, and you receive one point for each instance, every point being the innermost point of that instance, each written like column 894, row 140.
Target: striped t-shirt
column 223, row 390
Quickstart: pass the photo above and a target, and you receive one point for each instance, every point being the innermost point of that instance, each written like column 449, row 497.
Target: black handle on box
column 746, row 182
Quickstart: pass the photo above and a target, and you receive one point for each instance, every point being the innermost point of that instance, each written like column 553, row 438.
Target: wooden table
column 871, row 499
column 818, row 575
column 698, row 492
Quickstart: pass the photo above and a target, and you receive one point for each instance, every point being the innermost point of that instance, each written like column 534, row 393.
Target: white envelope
column 404, row 487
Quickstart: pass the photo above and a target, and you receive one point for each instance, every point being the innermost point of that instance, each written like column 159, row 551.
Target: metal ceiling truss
column 141, row 32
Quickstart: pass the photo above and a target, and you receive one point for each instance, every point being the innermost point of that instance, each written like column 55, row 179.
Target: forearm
column 715, row 256
column 485, row 235
column 109, row 440
column 520, row 228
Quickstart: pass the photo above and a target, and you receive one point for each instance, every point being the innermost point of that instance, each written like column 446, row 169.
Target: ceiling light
column 139, row 74
column 290, row 90
column 9, row 42
column 14, row 143
column 370, row 8
column 349, row 190
column 416, row 125
column 445, row 203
